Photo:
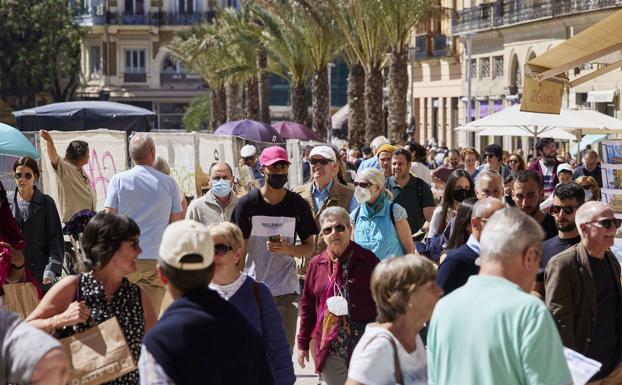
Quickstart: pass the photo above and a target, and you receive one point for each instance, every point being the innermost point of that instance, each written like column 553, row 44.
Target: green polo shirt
column 490, row 332
column 408, row 198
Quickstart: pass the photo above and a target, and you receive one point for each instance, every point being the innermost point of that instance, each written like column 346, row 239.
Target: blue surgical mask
column 221, row 187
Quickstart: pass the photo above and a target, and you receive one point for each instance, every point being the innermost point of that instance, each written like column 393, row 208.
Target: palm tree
column 361, row 24
column 324, row 42
column 287, row 51
column 399, row 19
column 200, row 51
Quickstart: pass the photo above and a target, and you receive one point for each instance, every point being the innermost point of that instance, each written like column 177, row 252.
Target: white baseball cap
column 183, row 238
column 248, row 150
column 323, row 151
column 564, row 167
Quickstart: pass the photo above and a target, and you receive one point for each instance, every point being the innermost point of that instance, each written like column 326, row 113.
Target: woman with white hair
column 336, row 303
column 380, row 225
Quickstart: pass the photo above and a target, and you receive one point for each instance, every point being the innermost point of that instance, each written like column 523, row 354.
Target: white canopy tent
column 569, row 124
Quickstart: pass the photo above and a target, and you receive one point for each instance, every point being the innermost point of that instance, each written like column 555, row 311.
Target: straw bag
column 99, row 354
column 20, row 298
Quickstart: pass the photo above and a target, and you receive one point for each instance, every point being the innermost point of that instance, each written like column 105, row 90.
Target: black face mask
column 461, row 194
column 277, row 181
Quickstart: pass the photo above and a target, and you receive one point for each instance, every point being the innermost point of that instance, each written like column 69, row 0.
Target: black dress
column 126, row 305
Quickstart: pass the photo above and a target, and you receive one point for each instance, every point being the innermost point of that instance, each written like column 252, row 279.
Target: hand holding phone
column 274, row 238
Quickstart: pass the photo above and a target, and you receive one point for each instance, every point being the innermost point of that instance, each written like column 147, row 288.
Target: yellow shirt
column 74, row 190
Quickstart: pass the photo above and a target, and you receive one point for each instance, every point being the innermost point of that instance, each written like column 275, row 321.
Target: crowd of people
column 400, row 264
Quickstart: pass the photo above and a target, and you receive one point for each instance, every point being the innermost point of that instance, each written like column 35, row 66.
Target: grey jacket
column 207, row 210
column 42, row 232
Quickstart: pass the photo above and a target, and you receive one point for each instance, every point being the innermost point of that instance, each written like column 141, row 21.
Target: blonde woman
column 391, row 350
column 251, row 298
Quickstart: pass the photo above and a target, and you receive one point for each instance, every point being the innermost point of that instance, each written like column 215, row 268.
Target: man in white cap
column 199, row 329
column 324, row 191
column 249, row 158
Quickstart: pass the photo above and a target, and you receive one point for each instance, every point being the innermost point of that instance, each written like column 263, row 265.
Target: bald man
column 488, row 183
column 584, row 294
column 459, row 264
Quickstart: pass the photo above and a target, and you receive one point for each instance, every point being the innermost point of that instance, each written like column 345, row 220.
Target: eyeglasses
column 26, row 175
column 490, row 156
column 607, row 223
column 134, row 243
column 362, row 184
column 567, row 209
column 222, row 249
column 337, row 228
column 278, row 166
column 322, row 161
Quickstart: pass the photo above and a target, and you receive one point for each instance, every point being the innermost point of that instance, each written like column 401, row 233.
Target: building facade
column 125, row 59
column 503, row 35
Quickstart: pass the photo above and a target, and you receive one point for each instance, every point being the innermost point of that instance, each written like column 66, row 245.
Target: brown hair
column 29, row 162
column 395, row 279
column 588, row 180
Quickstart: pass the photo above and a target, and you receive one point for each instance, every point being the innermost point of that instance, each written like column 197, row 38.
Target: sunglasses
column 337, row 228
column 490, row 156
column 567, row 209
column 221, row 249
column 362, row 184
column 26, row 175
column 322, row 161
column 514, row 161
column 607, row 223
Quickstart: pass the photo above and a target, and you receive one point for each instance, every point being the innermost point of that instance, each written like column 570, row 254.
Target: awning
column 597, row 41
column 601, row 96
column 587, row 139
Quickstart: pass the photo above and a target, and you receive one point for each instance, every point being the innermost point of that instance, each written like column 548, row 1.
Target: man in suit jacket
column 584, row 293
column 459, row 264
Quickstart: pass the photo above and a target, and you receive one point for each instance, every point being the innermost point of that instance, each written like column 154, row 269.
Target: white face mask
column 337, row 305
column 362, row 195
column 588, row 195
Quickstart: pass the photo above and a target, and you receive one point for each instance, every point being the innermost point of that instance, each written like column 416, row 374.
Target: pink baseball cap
column 271, row 155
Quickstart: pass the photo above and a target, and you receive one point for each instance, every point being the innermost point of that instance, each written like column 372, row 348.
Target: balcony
column 135, row 77
column 181, row 81
column 160, row 18
column 90, row 16
column 504, row 13
column 429, row 46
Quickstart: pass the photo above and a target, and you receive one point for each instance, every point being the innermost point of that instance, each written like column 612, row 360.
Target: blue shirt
column 320, row 196
column 149, row 197
column 473, row 244
column 369, row 163
column 257, row 173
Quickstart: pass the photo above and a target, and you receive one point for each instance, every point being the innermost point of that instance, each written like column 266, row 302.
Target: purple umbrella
column 251, row 130
column 291, row 130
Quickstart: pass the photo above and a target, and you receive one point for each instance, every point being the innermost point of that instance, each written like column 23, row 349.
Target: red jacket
column 535, row 166
column 361, row 304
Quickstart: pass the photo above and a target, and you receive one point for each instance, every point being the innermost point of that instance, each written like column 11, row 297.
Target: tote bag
column 20, row 298
column 99, row 354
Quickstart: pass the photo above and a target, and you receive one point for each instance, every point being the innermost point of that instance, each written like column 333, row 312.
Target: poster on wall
column 611, row 168
column 179, row 151
column 108, row 156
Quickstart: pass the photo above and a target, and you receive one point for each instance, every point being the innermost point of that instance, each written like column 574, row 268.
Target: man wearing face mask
column 546, row 164
column 271, row 219
column 217, row 205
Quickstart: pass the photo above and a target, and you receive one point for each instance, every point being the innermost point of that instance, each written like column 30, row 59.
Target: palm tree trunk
column 251, row 89
column 263, row 87
column 356, row 117
column 398, row 92
column 374, row 125
column 320, row 101
column 219, row 106
column 299, row 102
column 234, row 105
